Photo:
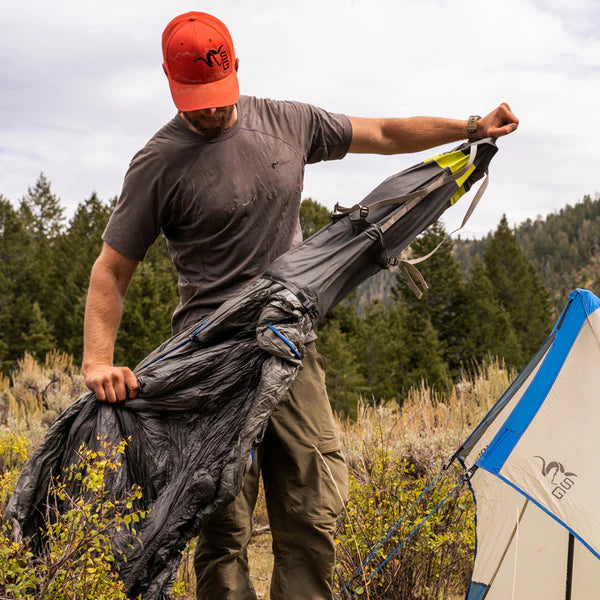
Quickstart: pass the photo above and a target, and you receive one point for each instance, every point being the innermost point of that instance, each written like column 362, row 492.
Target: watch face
column 472, row 124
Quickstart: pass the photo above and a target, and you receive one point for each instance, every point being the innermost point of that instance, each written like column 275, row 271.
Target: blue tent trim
column 477, row 591
column 493, row 413
column 581, row 304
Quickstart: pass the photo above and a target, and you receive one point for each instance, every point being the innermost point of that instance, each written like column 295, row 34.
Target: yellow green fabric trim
column 455, row 161
column 457, row 194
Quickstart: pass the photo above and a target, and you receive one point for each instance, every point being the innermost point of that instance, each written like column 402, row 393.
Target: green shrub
column 77, row 559
column 434, row 563
column 14, row 451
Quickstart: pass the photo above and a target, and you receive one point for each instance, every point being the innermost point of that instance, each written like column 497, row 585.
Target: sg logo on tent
column 560, row 479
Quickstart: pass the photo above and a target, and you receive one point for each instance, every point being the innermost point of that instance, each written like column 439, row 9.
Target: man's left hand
column 499, row 122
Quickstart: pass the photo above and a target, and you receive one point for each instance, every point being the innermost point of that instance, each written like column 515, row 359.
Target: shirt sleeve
column 137, row 218
column 331, row 135
column 322, row 135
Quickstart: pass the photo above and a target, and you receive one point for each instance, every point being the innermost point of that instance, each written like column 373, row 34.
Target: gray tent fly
column 206, row 394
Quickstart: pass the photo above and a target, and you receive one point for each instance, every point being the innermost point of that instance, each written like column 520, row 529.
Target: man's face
column 212, row 122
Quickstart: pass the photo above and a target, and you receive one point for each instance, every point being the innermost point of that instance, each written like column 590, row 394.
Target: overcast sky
column 82, row 87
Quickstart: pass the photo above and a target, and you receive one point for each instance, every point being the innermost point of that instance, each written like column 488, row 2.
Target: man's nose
column 208, row 112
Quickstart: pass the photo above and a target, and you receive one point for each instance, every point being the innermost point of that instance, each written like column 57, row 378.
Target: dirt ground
column 261, row 564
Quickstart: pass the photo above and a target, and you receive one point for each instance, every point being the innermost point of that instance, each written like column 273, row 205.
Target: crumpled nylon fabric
column 201, row 409
column 206, row 395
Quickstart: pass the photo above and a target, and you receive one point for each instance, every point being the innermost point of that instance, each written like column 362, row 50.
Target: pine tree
column 345, row 382
column 518, row 288
column 42, row 217
column 489, row 331
column 37, row 337
column 74, row 254
column 18, row 282
column 41, row 211
column 443, row 304
column 425, row 358
column 383, row 351
column 6, row 301
column 313, row 216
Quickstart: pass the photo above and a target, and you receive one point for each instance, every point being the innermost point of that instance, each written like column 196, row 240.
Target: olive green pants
column 302, row 502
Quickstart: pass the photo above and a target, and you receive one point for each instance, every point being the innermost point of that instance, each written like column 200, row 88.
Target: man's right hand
column 109, row 279
column 111, row 384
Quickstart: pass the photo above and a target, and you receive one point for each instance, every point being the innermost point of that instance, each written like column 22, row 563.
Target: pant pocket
column 334, row 478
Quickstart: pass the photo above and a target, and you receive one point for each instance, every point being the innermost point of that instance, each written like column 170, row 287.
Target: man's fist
column 499, row 122
column 111, row 384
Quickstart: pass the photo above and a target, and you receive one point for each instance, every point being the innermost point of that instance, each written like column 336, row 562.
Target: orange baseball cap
column 199, row 60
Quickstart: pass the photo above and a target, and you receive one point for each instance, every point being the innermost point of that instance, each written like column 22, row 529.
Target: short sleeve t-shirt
column 228, row 206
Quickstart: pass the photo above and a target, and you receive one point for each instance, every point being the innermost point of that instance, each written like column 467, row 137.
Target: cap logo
column 220, row 58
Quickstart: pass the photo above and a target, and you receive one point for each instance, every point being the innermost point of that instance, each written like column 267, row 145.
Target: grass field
column 391, row 453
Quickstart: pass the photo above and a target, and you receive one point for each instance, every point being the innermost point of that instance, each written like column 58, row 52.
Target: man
column 223, row 182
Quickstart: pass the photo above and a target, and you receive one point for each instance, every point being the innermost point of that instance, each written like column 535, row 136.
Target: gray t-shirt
column 228, row 206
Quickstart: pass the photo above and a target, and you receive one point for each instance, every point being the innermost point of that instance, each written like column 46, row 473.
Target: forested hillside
column 564, row 247
column 45, row 265
column 492, row 297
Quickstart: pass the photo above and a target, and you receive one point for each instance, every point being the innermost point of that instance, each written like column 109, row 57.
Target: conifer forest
column 494, row 297
column 408, row 379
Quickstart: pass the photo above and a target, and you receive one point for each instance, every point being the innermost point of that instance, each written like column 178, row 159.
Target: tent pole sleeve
column 569, row 580
column 417, row 195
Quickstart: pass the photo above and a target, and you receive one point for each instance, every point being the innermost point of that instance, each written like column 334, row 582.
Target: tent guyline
column 411, row 534
column 359, row 572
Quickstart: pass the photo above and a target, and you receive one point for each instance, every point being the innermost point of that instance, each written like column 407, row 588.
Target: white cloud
column 84, row 89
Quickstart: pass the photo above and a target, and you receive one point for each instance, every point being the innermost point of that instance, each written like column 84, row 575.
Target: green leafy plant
column 432, row 564
column 77, row 558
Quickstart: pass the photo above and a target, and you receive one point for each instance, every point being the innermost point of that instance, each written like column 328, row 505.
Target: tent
column 207, row 393
column 534, row 464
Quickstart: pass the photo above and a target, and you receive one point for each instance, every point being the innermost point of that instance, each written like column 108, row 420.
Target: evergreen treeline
column 497, row 308
column 45, row 265
column 564, row 247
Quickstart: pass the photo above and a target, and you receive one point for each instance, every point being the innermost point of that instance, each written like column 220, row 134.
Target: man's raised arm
column 413, row 134
column 110, row 277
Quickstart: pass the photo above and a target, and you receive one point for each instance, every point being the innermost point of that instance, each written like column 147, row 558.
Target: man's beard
column 211, row 127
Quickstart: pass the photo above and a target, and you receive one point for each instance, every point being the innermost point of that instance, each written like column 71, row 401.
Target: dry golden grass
column 260, row 559
column 425, row 430
column 37, row 393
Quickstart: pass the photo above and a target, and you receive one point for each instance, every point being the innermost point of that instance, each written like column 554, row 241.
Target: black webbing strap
column 306, row 301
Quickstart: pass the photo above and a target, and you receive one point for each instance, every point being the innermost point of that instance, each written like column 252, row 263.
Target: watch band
column 472, row 127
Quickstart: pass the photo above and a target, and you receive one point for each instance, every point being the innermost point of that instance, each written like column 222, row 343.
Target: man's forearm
column 413, row 134
column 103, row 310
column 402, row 135
column 108, row 283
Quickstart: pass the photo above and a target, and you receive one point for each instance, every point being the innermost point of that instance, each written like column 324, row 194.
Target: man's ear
column 237, row 64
